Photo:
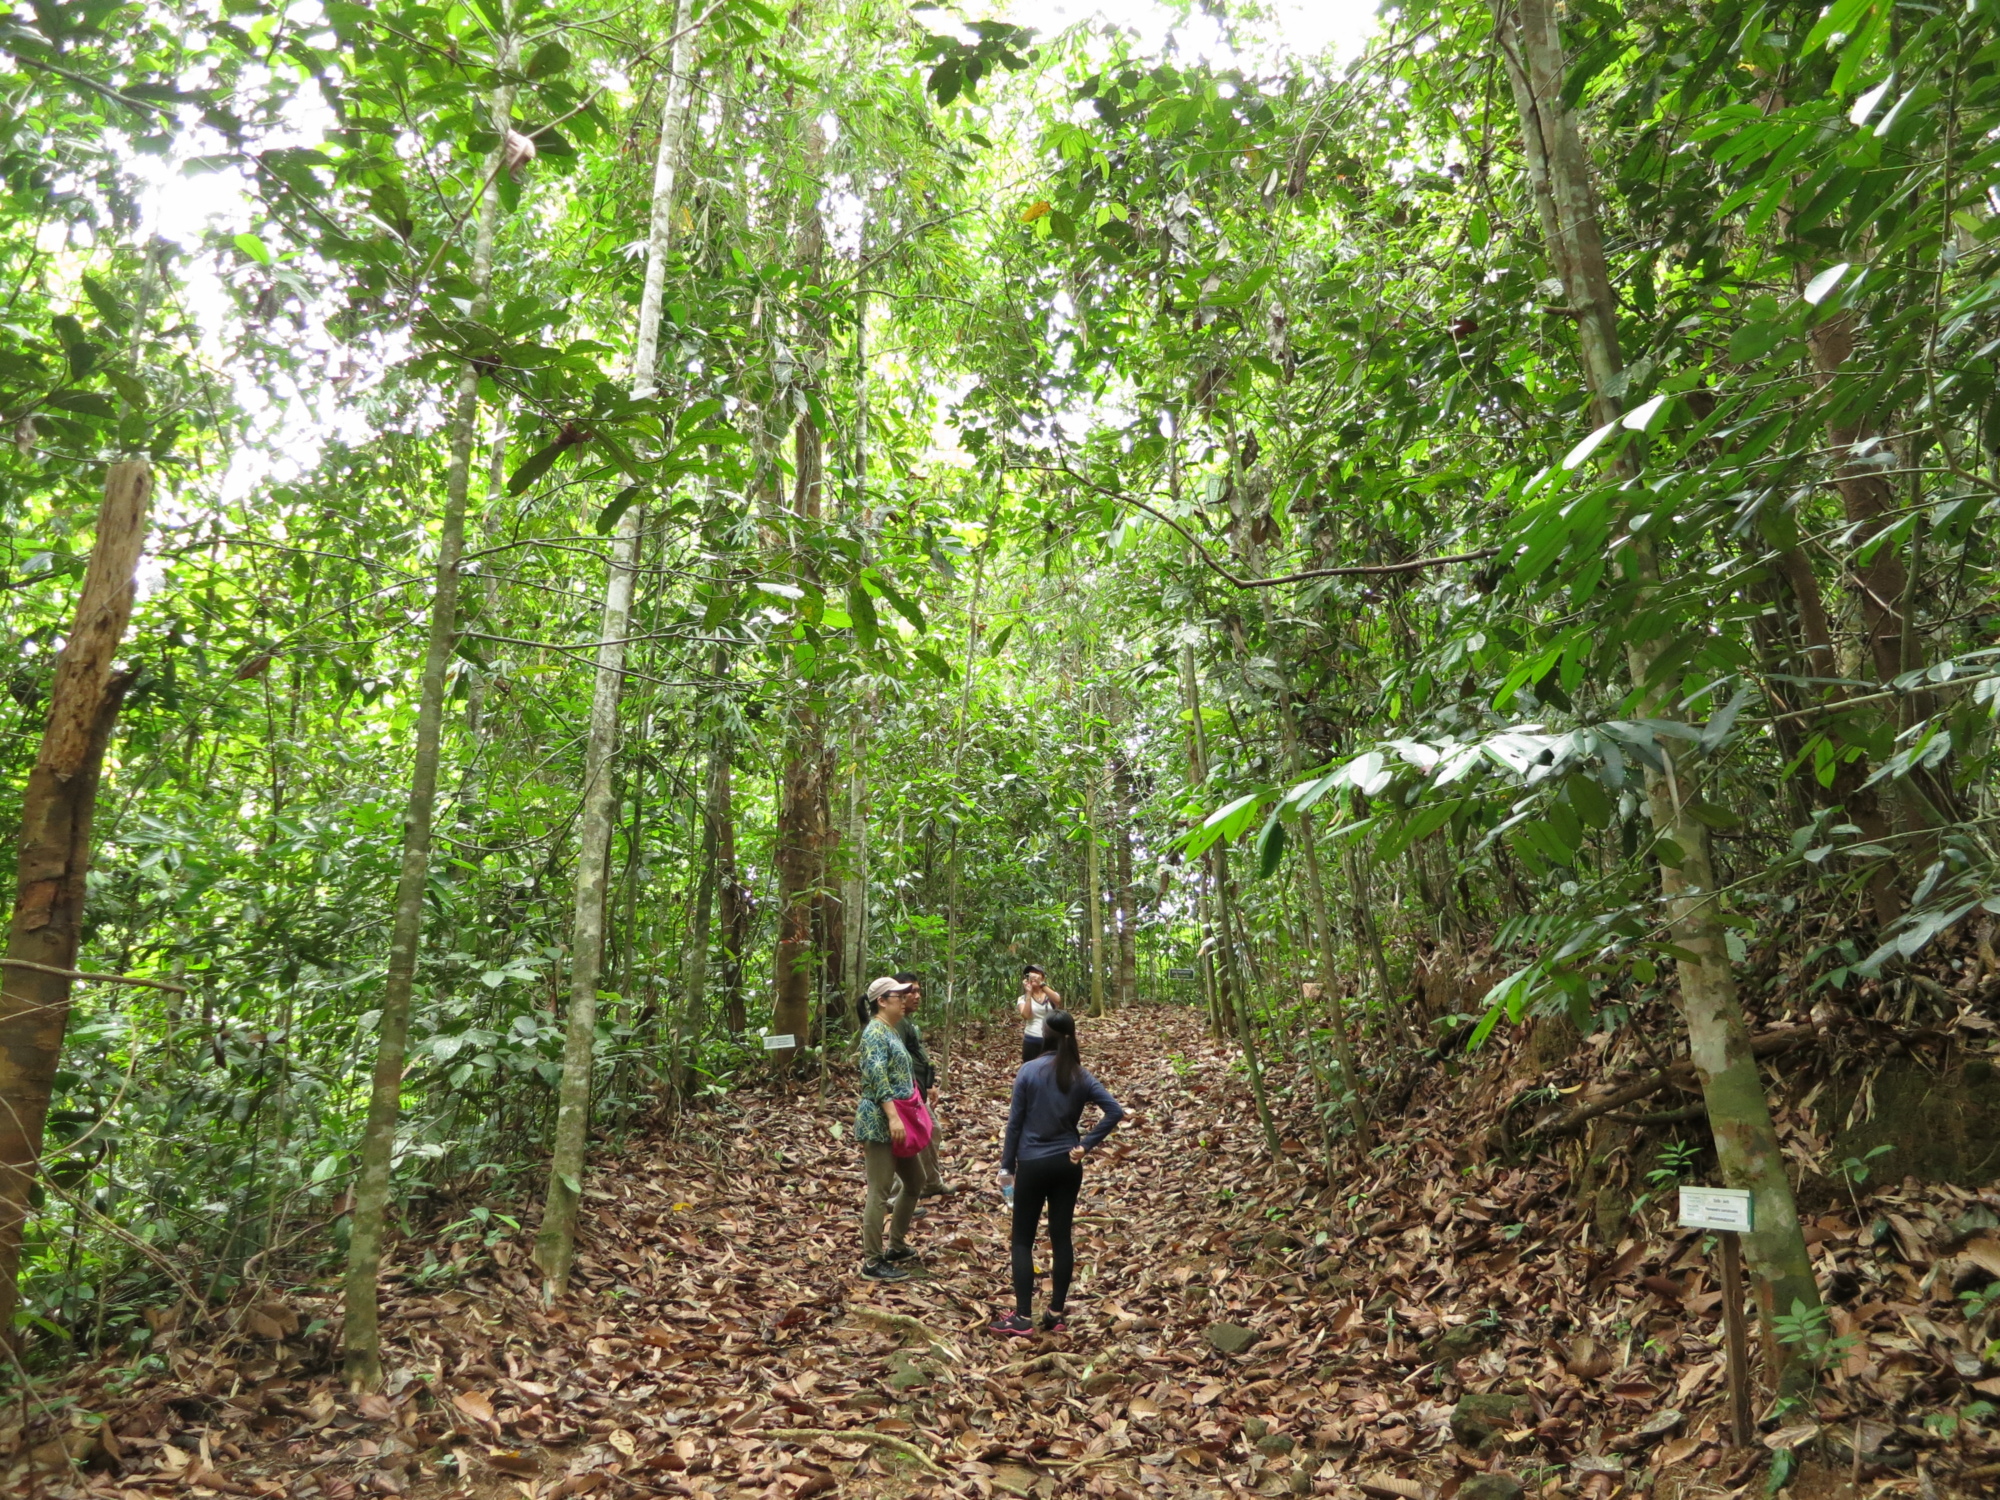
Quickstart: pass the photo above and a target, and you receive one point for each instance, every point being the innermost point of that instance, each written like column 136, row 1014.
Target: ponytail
column 1061, row 1025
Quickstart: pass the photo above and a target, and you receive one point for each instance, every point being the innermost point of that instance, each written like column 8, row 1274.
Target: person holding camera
column 1037, row 1003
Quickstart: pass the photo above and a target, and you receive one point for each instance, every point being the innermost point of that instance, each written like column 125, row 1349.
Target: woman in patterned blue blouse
column 885, row 1074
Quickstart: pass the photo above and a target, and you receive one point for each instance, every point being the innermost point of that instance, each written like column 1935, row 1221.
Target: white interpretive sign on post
column 1728, row 1212
column 783, row 1042
column 1716, row 1208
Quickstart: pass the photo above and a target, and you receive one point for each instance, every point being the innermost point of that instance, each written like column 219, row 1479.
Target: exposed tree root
column 852, row 1435
column 910, row 1330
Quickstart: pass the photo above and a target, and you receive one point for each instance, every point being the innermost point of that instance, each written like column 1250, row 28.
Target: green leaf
column 1642, row 418
column 1426, row 821
column 1841, row 19
column 252, row 247
column 1232, row 818
column 1823, row 284
column 609, row 516
column 1270, row 846
column 902, row 606
column 1589, row 800
column 109, row 310
column 1588, row 446
column 1709, row 813
column 535, row 466
column 550, row 59
column 83, row 403
column 862, row 609
column 1753, row 341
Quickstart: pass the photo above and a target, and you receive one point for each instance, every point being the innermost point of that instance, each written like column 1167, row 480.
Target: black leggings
column 1032, row 1047
column 1054, row 1180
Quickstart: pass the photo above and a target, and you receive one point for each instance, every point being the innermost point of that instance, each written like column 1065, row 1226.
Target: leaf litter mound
column 1435, row 1325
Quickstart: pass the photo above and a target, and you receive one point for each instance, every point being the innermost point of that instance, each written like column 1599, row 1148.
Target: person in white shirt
column 1037, row 1003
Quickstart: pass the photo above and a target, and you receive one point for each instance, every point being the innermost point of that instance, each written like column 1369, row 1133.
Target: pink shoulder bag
column 918, row 1127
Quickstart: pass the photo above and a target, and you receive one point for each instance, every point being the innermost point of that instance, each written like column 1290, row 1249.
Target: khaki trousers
column 885, row 1168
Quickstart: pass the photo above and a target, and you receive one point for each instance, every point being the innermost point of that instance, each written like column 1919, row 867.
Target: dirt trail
column 719, row 1291
column 719, row 1342
column 717, row 1306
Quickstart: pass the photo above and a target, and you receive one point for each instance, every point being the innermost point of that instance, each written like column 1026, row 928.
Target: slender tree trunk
column 1329, row 976
column 734, row 904
column 1230, row 989
column 360, row 1334
column 1093, row 901
column 1847, row 790
column 715, row 797
column 1246, row 1034
column 1354, row 865
column 854, row 872
column 1219, row 1003
column 1719, row 1036
column 830, row 917
column 1128, row 893
column 798, row 796
column 53, row 854
column 801, row 792
column 555, row 1244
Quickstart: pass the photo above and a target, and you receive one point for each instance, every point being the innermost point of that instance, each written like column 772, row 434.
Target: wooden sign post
column 1730, row 1213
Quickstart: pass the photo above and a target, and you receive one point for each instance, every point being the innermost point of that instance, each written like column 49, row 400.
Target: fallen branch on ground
column 1681, row 1075
column 854, row 1435
column 1665, row 1116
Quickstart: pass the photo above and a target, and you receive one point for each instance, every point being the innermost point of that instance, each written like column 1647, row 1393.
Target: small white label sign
column 1716, row 1208
column 782, row 1043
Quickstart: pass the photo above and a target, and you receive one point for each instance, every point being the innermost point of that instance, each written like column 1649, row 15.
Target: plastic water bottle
column 1007, row 1189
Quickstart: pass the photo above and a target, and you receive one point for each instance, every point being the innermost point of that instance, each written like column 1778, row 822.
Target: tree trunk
column 1219, row 1020
column 1354, row 865
column 1847, row 790
column 1246, row 1035
column 1093, row 902
column 801, row 793
column 798, row 797
column 694, row 1008
column 1329, row 978
column 360, row 1335
column 53, row 855
column 830, row 918
column 1128, row 893
column 734, row 913
column 555, row 1244
column 1229, row 989
column 854, row 867
column 1719, row 1037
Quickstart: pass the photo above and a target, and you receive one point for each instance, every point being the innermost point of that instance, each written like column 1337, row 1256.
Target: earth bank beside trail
column 1431, row 1328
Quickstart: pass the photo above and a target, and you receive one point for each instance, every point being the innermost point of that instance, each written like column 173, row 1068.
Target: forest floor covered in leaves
column 1439, row 1322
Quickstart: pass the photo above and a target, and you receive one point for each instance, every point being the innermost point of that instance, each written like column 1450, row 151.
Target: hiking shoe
column 940, row 1191
column 881, row 1270
column 1052, row 1322
column 1013, row 1326
column 898, row 1255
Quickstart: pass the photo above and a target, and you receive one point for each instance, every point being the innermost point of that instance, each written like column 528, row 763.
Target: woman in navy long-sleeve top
column 1044, row 1155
